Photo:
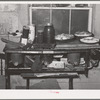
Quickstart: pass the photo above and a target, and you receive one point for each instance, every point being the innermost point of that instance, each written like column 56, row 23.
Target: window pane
column 61, row 20
column 79, row 20
column 40, row 17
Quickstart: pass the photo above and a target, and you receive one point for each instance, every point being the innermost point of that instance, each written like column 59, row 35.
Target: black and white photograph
column 49, row 46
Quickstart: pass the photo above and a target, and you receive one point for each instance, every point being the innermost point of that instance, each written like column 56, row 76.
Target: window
column 65, row 17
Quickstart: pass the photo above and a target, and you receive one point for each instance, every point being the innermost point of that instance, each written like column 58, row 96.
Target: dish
column 89, row 40
column 64, row 36
column 83, row 34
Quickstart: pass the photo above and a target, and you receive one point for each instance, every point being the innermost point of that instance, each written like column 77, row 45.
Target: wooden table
column 63, row 48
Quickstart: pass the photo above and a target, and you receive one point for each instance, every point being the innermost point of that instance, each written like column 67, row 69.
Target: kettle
column 49, row 34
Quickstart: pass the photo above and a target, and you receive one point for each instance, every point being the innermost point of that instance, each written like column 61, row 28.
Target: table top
column 60, row 48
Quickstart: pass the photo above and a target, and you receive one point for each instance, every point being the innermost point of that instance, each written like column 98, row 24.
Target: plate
column 64, row 36
column 89, row 40
column 83, row 34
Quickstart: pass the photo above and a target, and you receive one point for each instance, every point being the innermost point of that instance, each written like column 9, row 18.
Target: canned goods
column 25, row 32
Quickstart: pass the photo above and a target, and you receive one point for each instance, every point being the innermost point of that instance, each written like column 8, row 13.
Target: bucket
column 15, row 58
column 73, row 58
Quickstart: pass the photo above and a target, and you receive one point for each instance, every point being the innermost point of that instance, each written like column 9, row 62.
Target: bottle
column 49, row 34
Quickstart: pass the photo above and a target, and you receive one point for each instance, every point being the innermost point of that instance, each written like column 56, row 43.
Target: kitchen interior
column 25, row 24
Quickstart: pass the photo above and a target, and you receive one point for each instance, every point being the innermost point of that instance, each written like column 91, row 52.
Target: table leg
column 8, row 82
column 86, row 72
column 27, row 83
column 87, row 60
column 1, row 68
column 70, row 83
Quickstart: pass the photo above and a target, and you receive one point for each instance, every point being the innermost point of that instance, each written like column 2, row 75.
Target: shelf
column 68, row 68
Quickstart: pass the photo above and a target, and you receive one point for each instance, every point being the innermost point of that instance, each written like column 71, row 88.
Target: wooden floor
column 92, row 82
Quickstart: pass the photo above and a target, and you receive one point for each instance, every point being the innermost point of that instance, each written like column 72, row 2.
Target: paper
column 24, row 41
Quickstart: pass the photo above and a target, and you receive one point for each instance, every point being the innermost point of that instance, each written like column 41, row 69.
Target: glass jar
column 49, row 34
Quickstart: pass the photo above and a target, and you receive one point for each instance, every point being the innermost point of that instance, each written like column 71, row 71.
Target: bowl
column 64, row 37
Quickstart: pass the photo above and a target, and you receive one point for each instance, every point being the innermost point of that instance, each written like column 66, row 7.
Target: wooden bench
column 29, row 76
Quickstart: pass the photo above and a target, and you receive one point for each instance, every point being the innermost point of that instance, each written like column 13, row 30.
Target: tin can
column 25, row 32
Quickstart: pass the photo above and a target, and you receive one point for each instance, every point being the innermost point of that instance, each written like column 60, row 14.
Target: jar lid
column 49, row 24
column 25, row 27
